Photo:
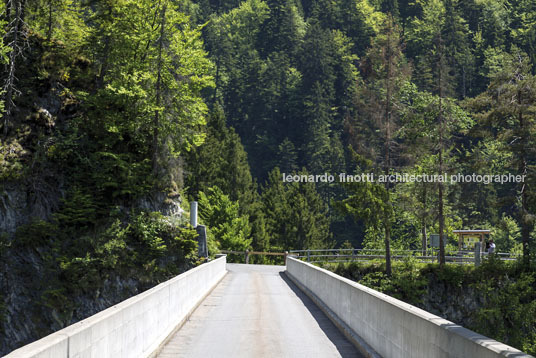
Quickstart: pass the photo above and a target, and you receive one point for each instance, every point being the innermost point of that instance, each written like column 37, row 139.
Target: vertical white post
column 193, row 213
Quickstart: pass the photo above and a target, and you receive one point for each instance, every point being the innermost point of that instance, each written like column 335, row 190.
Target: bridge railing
column 430, row 255
column 384, row 326
column 349, row 255
column 136, row 327
column 248, row 255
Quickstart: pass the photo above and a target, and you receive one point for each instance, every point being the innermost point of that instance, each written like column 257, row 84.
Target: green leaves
column 229, row 228
column 367, row 201
column 152, row 69
column 296, row 216
column 509, row 107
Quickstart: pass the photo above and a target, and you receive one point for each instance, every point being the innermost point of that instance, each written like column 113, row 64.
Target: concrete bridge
column 235, row 310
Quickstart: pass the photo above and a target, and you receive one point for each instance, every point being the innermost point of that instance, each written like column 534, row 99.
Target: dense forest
column 116, row 113
column 355, row 87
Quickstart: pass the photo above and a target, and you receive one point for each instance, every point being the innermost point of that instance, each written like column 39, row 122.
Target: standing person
column 491, row 249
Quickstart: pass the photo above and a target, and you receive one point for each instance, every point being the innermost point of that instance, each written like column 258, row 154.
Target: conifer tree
column 385, row 71
column 155, row 75
column 4, row 50
column 509, row 107
column 221, row 161
column 15, row 38
column 60, row 20
column 295, row 214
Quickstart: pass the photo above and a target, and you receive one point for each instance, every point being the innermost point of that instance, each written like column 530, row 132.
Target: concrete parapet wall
column 135, row 327
column 390, row 327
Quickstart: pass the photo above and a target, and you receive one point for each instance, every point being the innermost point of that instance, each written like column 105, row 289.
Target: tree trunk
column 526, row 223
column 14, row 15
column 423, row 221
column 216, row 82
column 388, row 269
column 156, row 120
column 49, row 31
column 387, row 218
column 441, row 215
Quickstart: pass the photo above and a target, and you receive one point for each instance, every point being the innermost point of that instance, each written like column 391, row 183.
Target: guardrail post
column 308, row 255
column 477, row 253
column 193, row 214
column 247, row 256
column 285, row 257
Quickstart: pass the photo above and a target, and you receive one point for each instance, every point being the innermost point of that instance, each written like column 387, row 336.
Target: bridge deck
column 257, row 312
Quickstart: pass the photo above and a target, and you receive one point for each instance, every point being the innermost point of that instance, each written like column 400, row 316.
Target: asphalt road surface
column 256, row 311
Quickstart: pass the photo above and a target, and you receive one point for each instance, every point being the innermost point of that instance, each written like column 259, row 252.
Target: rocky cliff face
column 456, row 305
column 26, row 309
column 19, row 205
column 26, row 315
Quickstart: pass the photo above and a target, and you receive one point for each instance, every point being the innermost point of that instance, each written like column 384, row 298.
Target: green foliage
column 221, row 161
column 4, row 50
column 509, row 305
column 11, row 151
column 368, row 201
column 407, row 282
column 61, row 20
column 221, row 214
column 508, row 106
column 119, row 176
column 156, row 236
column 295, row 214
column 507, row 234
column 35, row 234
column 77, row 264
column 110, row 100
column 506, row 292
column 78, row 211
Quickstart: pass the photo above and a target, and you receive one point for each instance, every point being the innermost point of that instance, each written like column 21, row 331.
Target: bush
column 221, row 214
column 506, row 292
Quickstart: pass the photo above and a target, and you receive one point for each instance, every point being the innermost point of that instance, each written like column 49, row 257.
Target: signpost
column 467, row 239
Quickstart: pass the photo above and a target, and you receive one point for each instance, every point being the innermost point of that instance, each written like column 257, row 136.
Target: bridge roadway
column 256, row 311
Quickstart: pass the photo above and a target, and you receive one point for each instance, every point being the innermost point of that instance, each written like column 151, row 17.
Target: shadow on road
column 343, row 345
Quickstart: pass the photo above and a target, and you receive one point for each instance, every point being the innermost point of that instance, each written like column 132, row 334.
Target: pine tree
column 222, row 216
column 509, row 107
column 523, row 27
column 4, row 51
column 287, row 157
column 15, row 38
column 59, row 20
column 221, row 161
column 295, row 214
column 155, row 74
column 385, row 71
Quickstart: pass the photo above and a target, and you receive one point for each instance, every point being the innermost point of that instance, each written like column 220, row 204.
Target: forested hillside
column 116, row 113
column 359, row 86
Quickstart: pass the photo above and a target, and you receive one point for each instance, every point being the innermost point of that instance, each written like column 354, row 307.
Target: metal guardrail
column 248, row 253
column 346, row 255
column 349, row 255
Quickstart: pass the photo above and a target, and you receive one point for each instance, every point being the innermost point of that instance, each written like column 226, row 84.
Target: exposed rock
column 24, row 314
column 167, row 205
column 19, row 205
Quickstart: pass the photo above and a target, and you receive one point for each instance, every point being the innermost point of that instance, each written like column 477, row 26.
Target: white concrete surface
column 391, row 327
column 135, row 327
column 257, row 312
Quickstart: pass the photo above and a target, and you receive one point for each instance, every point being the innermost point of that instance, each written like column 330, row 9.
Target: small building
column 468, row 238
